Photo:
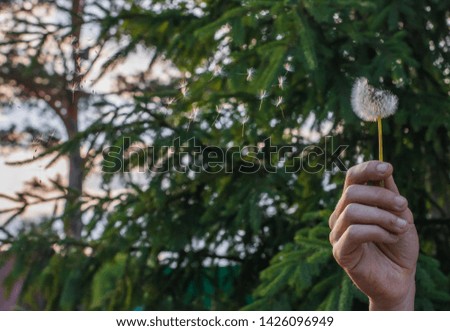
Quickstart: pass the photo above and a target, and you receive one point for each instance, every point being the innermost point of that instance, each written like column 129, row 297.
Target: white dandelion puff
column 250, row 74
column 372, row 104
column 281, row 81
column 369, row 103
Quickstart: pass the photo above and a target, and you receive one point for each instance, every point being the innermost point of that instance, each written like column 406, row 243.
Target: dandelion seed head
column 369, row 103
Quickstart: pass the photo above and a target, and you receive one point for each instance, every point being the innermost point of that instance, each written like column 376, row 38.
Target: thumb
column 389, row 183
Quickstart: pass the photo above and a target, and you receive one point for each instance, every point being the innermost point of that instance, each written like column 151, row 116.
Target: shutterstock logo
column 191, row 156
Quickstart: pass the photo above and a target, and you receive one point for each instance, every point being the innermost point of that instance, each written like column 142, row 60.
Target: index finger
column 368, row 171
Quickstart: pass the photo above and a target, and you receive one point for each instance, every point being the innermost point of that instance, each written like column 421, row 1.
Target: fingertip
column 401, row 203
column 368, row 171
column 383, row 169
column 401, row 223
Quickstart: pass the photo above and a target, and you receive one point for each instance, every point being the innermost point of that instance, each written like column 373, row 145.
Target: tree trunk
column 72, row 222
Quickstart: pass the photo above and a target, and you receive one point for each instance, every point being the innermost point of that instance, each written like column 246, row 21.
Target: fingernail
column 400, row 201
column 401, row 223
column 382, row 167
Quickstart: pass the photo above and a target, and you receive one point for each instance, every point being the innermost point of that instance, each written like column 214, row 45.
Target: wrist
column 404, row 303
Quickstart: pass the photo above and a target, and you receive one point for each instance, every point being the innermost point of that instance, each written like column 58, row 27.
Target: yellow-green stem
column 380, row 139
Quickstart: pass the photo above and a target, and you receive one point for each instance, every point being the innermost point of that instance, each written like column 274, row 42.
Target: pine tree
column 246, row 233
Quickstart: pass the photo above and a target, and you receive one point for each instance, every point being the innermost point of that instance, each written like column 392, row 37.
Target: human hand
column 374, row 238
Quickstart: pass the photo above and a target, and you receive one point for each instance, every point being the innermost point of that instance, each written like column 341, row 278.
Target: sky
column 13, row 178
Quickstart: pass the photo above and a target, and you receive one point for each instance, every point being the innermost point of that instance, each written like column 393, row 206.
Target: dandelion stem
column 380, row 144
column 380, row 139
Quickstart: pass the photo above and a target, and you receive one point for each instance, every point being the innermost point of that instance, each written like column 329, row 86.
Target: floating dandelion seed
column 371, row 104
column 288, row 67
column 219, row 112
column 281, row 81
column 192, row 116
column 182, row 84
column 250, row 74
column 73, row 87
column 279, row 101
column 227, row 27
column 184, row 91
column 217, row 71
column 244, row 120
column 170, row 101
column 262, row 95
column 278, row 104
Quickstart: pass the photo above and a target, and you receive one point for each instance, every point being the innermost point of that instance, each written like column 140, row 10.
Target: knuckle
column 350, row 173
column 392, row 221
column 407, row 205
column 331, row 219
column 351, row 232
column 383, row 197
column 349, row 193
column 336, row 253
column 409, row 215
column 349, row 212
column 331, row 237
column 366, row 168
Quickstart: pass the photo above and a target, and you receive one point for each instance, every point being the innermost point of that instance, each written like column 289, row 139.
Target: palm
column 384, row 269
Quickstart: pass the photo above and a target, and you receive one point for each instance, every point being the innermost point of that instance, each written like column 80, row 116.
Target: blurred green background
column 118, row 80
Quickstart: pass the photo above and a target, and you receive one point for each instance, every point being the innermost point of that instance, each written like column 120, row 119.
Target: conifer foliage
column 247, row 233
